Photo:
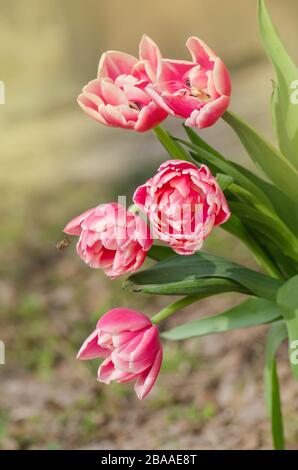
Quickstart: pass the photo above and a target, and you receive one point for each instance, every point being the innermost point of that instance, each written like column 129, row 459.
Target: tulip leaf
column 237, row 228
column 284, row 102
column 183, row 275
column 251, row 312
column 273, row 163
column 197, row 140
column 174, row 148
column 203, row 287
column 283, row 205
column 277, row 334
column 224, row 181
column 287, row 299
column 272, row 227
column 159, row 252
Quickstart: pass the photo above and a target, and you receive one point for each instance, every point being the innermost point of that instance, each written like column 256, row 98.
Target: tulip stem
column 172, row 308
column 174, row 148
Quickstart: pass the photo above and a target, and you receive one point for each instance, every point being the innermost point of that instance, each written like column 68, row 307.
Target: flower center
column 134, row 105
column 196, row 92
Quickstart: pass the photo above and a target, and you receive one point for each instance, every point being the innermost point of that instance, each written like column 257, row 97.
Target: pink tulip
column 118, row 97
column 130, row 347
column 111, row 238
column 198, row 91
column 183, row 203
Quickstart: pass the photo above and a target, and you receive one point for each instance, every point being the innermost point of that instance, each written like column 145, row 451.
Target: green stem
column 174, row 148
column 172, row 308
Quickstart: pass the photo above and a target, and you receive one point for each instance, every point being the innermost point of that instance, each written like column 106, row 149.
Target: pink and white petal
column 130, row 114
column 224, row 213
column 174, row 71
column 90, row 108
column 181, row 105
column 113, row 94
column 113, row 117
column 136, row 367
column 93, row 91
column 201, row 52
column 150, row 116
column 90, row 349
column 142, row 234
column 122, row 338
column 106, row 259
column 136, row 95
column 121, row 319
column 221, row 78
column 108, row 372
column 146, row 380
column 149, row 51
column 209, row 113
column 157, row 98
column 140, row 194
column 114, row 63
column 74, row 226
column 142, row 347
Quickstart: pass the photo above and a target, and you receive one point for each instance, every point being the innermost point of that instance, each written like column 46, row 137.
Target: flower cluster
column 139, row 93
column 182, row 202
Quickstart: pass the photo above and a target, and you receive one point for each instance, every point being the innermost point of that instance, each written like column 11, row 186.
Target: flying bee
column 63, row 244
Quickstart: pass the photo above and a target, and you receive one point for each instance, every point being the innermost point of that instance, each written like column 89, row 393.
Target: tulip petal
column 90, row 108
column 74, row 226
column 221, row 78
column 90, row 348
column 201, row 52
column 149, row 117
column 122, row 319
column 209, row 113
column 136, row 367
column 112, row 94
column 114, row 63
column 147, row 379
column 149, row 52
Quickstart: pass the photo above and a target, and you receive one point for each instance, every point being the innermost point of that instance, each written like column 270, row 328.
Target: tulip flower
column 111, row 238
column 183, row 203
column 118, row 97
column 130, row 346
column 198, row 90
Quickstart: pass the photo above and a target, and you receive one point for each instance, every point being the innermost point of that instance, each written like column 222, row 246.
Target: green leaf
column 271, row 161
column 276, row 335
column 249, row 313
column 177, row 273
column 272, row 227
column 173, row 147
column 224, row 181
column 287, row 299
column 283, row 205
column 204, row 287
column 238, row 229
column 284, row 111
column 197, row 140
column 159, row 252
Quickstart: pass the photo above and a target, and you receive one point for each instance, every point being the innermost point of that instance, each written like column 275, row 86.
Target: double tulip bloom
column 118, row 97
column 183, row 203
column 130, row 347
column 111, row 238
column 139, row 93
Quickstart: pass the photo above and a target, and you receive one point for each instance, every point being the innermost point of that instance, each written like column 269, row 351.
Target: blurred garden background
column 55, row 163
